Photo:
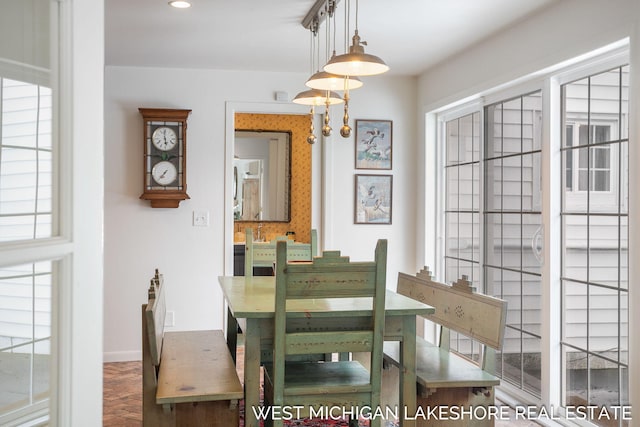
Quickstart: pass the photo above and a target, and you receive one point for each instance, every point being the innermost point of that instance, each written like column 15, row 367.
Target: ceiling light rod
column 356, row 62
column 328, row 81
column 318, row 12
column 316, row 96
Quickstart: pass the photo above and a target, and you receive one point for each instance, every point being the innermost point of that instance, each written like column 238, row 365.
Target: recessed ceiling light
column 180, row 4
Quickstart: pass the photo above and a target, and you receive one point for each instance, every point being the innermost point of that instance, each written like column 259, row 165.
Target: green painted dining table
column 250, row 304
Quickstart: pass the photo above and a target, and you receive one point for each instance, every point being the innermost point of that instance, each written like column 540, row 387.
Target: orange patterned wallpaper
column 300, row 173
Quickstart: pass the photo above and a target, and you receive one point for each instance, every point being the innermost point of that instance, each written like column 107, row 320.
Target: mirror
column 262, row 176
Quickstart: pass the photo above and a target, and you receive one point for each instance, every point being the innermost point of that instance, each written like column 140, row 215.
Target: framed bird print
column 373, row 144
column 373, row 199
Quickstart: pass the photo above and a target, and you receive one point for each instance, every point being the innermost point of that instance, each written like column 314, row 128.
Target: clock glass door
column 164, row 156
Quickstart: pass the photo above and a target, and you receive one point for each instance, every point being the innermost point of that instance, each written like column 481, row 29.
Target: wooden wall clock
column 165, row 156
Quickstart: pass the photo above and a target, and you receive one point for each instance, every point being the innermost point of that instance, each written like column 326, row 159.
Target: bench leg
column 152, row 414
column 252, row 370
column 407, row 386
column 461, row 397
column 207, row 414
column 232, row 334
column 389, row 396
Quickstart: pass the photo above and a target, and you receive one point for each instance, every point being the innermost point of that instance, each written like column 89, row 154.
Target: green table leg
column 408, row 397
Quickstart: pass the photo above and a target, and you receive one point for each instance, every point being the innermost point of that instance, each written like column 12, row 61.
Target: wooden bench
column 263, row 254
column 444, row 377
column 189, row 378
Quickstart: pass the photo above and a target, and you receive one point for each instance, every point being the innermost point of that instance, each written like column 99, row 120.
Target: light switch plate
column 200, row 218
column 282, row 96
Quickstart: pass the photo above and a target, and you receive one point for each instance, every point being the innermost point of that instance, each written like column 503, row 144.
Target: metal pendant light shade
column 340, row 72
column 356, row 62
column 317, row 97
column 327, row 81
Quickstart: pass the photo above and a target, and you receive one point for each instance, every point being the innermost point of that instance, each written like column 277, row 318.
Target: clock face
column 164, row 173
column 164, row 138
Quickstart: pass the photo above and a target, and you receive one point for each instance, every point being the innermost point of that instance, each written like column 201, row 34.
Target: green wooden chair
column 263, row 254
column 308, row 384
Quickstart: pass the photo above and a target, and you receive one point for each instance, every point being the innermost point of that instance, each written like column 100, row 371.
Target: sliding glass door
column 595, row 280
column 497, row 204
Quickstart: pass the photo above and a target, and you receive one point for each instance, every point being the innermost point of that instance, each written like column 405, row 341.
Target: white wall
column 139, row 238
column 567, row 29
column 380, row 98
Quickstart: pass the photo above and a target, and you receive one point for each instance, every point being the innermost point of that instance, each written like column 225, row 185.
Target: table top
column 253, row 297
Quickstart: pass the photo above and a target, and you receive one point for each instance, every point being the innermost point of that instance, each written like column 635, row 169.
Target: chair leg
column 270, row 422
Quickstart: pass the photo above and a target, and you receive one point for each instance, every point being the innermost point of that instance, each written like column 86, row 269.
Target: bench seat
column 445, row 378
column 196, row 366
column 437, row 367
column 189, row 378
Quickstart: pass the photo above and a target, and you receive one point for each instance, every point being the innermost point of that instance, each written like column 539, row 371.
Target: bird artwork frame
column 373, row 144
column 373, row 199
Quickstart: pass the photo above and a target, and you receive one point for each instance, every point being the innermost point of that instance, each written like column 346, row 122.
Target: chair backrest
column 477, row 316
column 154, row 316
column 330, row 276
column 263, row 254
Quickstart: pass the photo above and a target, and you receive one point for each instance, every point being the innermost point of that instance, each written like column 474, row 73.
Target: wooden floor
column 123, row 397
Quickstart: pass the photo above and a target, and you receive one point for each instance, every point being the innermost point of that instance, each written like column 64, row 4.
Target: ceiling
column 410, row 35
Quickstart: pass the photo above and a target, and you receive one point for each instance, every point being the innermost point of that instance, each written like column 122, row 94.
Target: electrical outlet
column 200, row 218
column 169, row 319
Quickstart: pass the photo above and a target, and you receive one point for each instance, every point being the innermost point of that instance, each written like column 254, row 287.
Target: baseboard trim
column 121, row 356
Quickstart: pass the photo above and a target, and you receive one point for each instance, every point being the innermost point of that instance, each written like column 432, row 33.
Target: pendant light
column 311, row 138
column 326, row 128
column 345, row 130
column 328, row 81
column 315, row 97
column 356, row 62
